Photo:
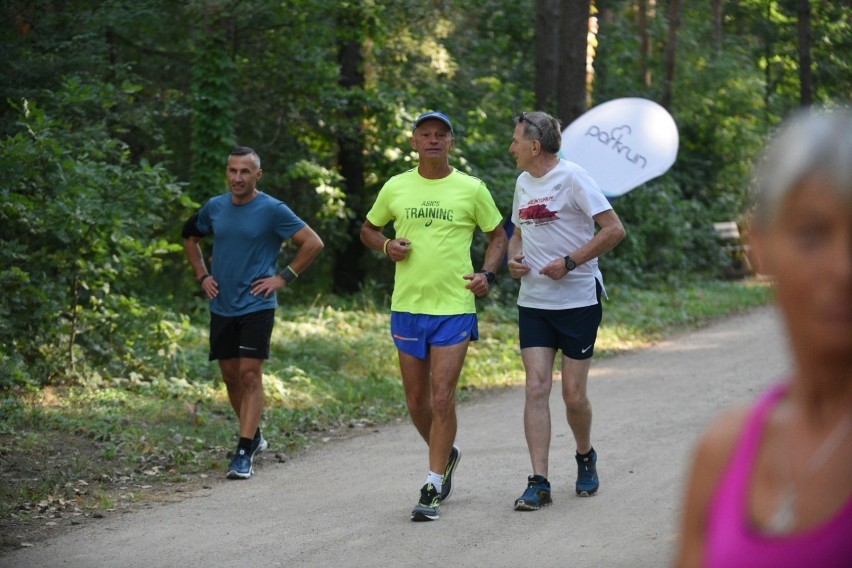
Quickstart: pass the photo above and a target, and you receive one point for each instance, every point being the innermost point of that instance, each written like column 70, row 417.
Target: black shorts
column 574, row 330
column 247, row 335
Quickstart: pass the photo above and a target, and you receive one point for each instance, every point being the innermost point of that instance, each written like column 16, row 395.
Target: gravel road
column 346, row 503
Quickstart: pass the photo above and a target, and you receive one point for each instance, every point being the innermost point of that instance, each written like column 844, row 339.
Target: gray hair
column 810, row 142
column 542, row 127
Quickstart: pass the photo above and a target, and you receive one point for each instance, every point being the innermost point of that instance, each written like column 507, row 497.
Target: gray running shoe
column 258, row 445
column 427, row 508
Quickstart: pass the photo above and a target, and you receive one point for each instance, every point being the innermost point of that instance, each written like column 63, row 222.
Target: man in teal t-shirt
column 248, row 229
column 435, row 210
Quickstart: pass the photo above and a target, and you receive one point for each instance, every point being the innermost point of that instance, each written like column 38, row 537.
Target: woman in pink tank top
column 771, row 485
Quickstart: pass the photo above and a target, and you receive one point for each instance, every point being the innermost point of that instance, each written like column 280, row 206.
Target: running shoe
column 447, row 487
column 536, row 496
column 258, row 445
column 240, row 467
column 427, row 508
column 587, row 475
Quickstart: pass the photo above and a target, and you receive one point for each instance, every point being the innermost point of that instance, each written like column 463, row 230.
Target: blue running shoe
column 258, row 445
column 240, row 467
column 427, row 508
column 536, row 496
column 447, row 487
column 587, row 475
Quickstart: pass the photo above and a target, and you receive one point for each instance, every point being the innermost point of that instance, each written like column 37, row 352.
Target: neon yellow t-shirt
column 439, row 217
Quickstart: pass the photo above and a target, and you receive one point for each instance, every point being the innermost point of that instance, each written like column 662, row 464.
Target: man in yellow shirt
column 435, row 210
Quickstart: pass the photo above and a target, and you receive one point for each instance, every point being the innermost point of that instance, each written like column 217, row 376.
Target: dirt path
column 346, row 503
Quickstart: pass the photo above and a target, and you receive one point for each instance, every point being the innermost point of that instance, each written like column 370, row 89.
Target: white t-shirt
column 555, row 215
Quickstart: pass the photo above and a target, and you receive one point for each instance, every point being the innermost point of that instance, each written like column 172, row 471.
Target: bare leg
column 578, row 408
column 231, row 375
column 244, row 379
column 538, row 364
column 418, row 392
column 446, row 368
column 430, row 390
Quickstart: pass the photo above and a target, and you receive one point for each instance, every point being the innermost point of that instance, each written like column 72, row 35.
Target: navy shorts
column 414, row 334
column 574, row 330
column 247, row 335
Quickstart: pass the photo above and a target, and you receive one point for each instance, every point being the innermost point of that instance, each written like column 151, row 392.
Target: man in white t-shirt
column 554, row 251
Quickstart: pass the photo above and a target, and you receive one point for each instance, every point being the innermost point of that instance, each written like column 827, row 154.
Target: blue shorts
column 414, row 334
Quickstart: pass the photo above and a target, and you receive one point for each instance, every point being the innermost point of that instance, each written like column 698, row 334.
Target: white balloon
column 622, row 143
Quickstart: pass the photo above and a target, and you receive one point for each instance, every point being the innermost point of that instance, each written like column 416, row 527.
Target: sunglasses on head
column 524, row 118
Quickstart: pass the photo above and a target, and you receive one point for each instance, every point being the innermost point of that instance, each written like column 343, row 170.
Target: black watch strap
column 489, row 276
column 569, row 263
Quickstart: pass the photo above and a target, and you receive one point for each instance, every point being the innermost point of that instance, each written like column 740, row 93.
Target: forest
column 116, row 119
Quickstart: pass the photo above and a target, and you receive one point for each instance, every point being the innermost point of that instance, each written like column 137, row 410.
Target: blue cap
column 436, row 115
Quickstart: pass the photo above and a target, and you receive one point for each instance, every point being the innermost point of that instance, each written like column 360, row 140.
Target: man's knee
column 443, row 402
column 418, row 403
column 251, row 376
column 538, row 389
column 575, row 399
column 230, row 372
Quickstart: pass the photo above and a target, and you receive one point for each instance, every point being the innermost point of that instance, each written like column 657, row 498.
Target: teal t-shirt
column 439, row 217
column 246, row 241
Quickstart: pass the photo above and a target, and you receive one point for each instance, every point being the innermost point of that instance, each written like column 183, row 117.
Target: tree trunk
column 806, row 79
column 644, row 42
column 717, row 7
column 348, row 274
column 574, row 32
column 546, row 54
column 671, row 52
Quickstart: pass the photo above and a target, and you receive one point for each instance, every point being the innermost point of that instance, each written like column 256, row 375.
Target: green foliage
column 668, row 238
column 214, row 104
column 90, row 226
column 80, row 231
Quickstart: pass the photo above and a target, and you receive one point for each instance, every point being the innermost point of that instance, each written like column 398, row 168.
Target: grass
column 80, row 451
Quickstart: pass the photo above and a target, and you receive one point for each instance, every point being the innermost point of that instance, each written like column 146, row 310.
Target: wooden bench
column 729, row 233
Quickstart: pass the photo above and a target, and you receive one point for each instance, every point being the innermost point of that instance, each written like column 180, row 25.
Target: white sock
column 436, row 479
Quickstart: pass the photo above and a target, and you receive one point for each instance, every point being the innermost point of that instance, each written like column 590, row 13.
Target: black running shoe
column 447, row 487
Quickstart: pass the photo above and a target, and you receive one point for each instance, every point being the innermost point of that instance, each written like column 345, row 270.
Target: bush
column 80, row 257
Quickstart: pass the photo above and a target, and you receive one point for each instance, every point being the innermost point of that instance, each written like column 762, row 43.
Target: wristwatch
column 489, row 276
column 570, row 264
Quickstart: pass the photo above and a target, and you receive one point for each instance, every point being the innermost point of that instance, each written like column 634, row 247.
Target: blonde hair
column 812, row 141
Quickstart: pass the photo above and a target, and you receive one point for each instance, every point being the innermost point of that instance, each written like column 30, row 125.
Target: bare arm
column 373, row 238
column 498, row 242
column 192, row 248
column 310, row 245
column 497, row 245
column 711, row 456
column 610, row 234
column 516, row 266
